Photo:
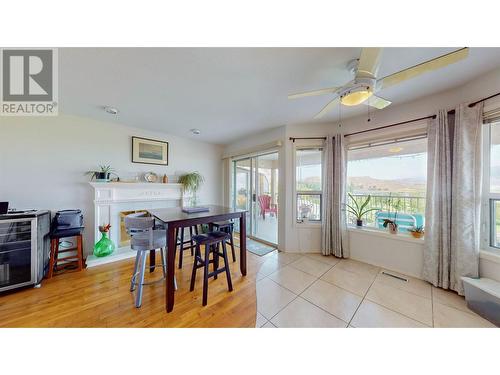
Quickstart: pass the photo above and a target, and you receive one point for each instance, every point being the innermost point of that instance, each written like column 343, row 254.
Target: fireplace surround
column 113, row 199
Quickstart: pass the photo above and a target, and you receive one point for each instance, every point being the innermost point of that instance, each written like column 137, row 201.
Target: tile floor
column 311, row 290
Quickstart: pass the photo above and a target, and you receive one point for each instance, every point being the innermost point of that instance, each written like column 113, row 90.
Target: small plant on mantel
column 191, row 182
column 103, row 174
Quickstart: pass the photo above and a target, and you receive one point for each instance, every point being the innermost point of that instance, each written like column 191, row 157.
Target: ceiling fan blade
column 330, row 90
column 377, row 102
column 327, row 108
column 369, row 62
column 428, row 66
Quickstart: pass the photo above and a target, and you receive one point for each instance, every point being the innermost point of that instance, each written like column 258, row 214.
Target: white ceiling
column 229, row 93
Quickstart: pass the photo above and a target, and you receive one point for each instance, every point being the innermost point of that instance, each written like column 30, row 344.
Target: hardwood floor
column 100, row 297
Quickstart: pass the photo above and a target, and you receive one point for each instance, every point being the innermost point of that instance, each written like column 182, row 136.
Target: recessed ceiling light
column 111, row 110
column 395, row 150
column 195, row 131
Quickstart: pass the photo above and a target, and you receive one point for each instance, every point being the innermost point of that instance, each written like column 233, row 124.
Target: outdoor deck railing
column 408, row 205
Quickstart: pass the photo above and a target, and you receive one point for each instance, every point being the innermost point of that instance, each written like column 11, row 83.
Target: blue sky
column 386, row 168
column 391, row 167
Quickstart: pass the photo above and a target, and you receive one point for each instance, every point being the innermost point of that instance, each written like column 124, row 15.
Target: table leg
column 243, row 243
column 152, row 260
column 171, row 242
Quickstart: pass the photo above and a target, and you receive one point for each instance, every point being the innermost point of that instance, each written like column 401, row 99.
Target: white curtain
column 453, row 197
column 333, row 227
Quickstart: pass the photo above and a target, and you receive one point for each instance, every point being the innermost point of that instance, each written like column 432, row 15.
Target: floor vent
column 395, row 276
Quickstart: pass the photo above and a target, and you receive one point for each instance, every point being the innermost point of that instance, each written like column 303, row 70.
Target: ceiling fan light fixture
column 395, row 150
column 356, row 97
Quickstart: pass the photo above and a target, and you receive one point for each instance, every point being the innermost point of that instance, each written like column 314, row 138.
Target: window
column 308, row 180
column 492, row 183
column 394, row 175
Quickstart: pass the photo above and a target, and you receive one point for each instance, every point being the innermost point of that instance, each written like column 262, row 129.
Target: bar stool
column 226, row 227
column 181, row 241
column 144, row 238
column 73, row 260
column 212, row 242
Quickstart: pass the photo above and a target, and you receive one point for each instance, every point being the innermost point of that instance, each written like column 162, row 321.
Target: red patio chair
column 266, row 206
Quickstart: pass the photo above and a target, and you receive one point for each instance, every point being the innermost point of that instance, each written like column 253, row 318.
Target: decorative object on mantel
column 150, row 177
column 149, row 151
column 105, row 246
column 191, row 182
column 359, row 209
column 417, row 232
column 103, row 174
column 165, row 179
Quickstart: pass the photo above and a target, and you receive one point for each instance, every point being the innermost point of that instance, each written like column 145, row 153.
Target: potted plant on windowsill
column 390, row 223
column 103, row 174
column 191, row 182
column 417, row 232
column 359, row 209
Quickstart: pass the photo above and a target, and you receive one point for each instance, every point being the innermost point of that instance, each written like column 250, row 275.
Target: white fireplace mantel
column 112, row 198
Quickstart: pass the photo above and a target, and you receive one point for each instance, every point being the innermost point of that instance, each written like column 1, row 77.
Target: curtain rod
column 294, row 138
column 391, row 125
column 483, row 99
column 406, row 122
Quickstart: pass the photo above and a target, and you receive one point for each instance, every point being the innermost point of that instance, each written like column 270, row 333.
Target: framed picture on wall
column 149, row 151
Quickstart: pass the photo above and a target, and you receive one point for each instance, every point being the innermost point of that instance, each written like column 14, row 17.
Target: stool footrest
column 74, row 257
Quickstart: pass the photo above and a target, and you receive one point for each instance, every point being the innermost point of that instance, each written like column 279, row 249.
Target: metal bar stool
column 181, row 241
column 226, row 227
column 144, row 238
column 212, row 242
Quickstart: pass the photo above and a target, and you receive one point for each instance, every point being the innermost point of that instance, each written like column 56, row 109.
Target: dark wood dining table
column 175, row 218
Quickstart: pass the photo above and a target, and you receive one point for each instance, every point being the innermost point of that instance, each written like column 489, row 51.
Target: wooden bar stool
column 226, row 227
column 73, row 260
column 182, row 241
column 212, row 242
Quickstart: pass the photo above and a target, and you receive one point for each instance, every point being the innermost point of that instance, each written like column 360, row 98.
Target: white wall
column 43, row 160
column 382, row 251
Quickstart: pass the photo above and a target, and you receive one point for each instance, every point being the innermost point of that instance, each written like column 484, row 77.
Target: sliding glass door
column 242, row 192
column 255, row 189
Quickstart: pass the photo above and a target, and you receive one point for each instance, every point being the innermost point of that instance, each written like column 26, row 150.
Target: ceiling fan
column 362, row 89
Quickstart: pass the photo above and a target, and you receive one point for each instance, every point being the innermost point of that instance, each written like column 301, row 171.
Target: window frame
column 382, row 141
column 296, row 193
column 488, row 198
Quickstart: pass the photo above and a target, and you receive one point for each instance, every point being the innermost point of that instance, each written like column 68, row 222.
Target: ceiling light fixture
column 195, row 131
column 111, row 110
column 395, row 150
column 356, row 96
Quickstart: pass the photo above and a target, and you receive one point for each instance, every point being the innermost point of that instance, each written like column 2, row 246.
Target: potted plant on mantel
column 103, row 174
column 359, row 209
column 191, row 182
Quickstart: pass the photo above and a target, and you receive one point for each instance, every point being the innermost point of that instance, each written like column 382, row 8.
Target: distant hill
column 369, row 184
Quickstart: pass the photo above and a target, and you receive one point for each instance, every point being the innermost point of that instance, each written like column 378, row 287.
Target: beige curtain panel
column 453, row 197
column 333, row 226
